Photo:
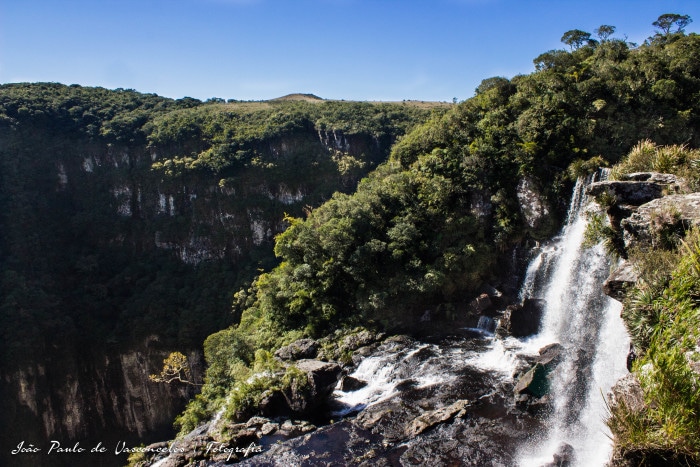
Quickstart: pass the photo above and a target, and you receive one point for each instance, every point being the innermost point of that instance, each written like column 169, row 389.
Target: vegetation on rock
column 662, row 314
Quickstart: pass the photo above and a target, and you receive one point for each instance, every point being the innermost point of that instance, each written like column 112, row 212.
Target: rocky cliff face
column 90, row 399
column 110, row 265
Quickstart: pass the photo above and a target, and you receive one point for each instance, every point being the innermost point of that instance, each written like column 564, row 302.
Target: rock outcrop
column 305, row 396
column 297, row 350
column 620, row 280
column 532, row 388
column 521, row 320
column 532, row 204
column 636, row 188
column 661, row 215
column 649, row 210
column 626, row 192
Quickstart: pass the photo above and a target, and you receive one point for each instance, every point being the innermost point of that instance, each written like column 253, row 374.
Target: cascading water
column 577, row 315
column 587, row 323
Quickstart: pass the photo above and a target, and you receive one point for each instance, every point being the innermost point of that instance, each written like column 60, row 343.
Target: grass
column 670, row 421
column 662, row 315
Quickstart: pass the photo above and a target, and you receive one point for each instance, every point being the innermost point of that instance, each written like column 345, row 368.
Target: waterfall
column 587, row 323
column 568, row 279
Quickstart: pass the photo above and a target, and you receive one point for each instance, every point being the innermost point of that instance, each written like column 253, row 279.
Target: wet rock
column 620, row 281
column 480, row 304
column 418, row 424
column 539, row 405
column 369, row 418
column 550, row 355
column 361, row 353
column 432, row 418
column 297, row 350
column 534, row 382
column 491, row 291
column 348, row 384
column 522, row 320
column 564, row 456
column 486, row 324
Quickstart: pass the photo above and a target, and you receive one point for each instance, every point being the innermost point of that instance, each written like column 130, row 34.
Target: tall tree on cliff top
column 666, row 21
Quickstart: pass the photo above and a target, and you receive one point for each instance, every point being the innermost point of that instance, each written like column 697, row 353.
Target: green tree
column 176, row 367
column 666, row 21
column 604, row 32
column 575, row 38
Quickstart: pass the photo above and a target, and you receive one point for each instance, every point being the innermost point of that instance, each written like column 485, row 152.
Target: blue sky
column 337, row 49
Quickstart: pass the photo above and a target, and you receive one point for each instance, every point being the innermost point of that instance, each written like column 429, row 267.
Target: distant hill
column 299, row 97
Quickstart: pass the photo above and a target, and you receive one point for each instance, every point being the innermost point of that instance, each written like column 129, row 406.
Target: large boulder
column 550, row 355
column 480, row 304
column 522, row 320
column 349, row 384
column 534, row 382
column 652, row 218
column 304, row 395
column 620, row 281
column 300, row 349
column 532, row 389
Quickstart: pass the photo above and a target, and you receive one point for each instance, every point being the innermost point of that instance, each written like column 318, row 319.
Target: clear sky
column 337, row 49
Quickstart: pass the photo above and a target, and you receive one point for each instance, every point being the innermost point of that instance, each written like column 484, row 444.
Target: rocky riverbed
column 451, row 401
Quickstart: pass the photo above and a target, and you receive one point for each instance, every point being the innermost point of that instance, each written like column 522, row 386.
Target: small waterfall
column 486, row 324
column 587, row 323
column 397, row 365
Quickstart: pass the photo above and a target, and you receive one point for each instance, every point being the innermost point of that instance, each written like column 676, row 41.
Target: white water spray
column 587, row 323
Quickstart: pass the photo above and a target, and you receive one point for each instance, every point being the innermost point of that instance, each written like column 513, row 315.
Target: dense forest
column 427, row 228
column 72, row 268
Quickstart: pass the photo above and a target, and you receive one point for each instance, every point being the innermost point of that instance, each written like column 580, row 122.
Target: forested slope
column 425, row 230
